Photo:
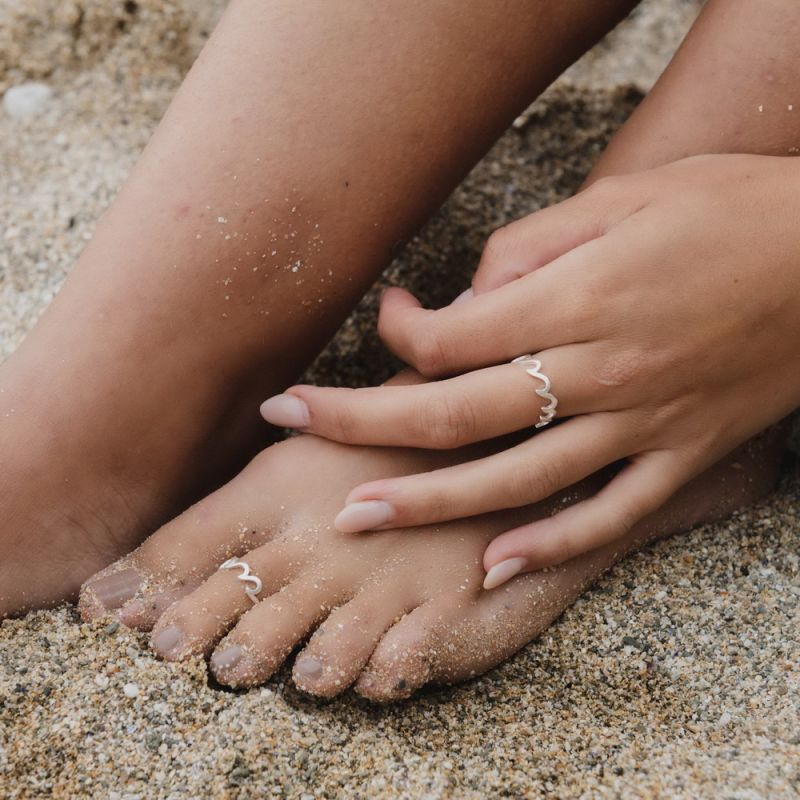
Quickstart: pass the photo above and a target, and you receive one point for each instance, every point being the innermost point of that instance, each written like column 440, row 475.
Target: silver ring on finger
column 533, row 367
column 252, row 583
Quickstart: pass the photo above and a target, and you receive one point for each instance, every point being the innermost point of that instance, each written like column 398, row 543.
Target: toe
column 343, row 644
column 196, row 622
column 404, row 658
column 448, row 640
column 180, row 555
column 269, row 631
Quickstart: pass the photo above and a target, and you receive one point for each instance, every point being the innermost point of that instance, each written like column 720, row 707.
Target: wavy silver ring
column 533, row 367
column 254, row 585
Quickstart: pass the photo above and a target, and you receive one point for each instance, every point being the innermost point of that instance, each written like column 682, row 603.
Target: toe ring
column 252, row 582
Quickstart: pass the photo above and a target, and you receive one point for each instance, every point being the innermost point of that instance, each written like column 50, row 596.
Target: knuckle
column 606, row 187
column 619, row 369
column 535, row 482
column 624, row 520
column 429, row 352
column 342, row 424
column 448, row 421
column 620, row 520
column 390, row 327
column 544, row 551
column 434, row 505
column 565, row 547
column 499, row 244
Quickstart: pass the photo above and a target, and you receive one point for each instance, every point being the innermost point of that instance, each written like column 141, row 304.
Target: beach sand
column 678, row 675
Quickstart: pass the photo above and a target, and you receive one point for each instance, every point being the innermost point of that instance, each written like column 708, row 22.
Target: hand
column 664, row 307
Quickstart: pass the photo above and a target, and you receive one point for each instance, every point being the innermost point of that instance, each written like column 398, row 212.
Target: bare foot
column 389, row 612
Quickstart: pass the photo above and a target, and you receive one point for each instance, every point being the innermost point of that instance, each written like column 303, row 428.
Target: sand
column 677, row 676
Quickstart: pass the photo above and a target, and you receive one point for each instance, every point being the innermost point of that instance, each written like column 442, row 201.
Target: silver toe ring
column 253, row 585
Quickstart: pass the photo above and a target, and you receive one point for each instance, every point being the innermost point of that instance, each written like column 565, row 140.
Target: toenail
column 166, row 642
column 226, row 658
column 364, row 516
column 131, row 611
column 113, row 591
column 309, row 667
column 502, row 572
column 286, row 411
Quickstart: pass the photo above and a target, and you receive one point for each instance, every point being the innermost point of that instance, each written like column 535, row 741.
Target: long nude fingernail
column 114, row 590
column 286, row 411
column 467, row 294
column 502, row 572
column 364, row 516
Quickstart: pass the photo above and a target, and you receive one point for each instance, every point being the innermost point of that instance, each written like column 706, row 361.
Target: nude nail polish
column 227, row 658
column 286, row 411
column 467, row 294
column 309, row 667
column 166, row 642
column 363, row 516
column 114, row 590
column 502, row 572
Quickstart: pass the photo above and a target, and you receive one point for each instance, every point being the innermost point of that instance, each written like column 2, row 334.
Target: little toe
column 269, row 631
column 448, row 640
column 195, row 623
column 343, row 644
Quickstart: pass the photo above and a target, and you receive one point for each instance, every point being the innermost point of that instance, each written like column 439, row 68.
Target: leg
column 407, row 607
column 731, row 88
column 269, row 198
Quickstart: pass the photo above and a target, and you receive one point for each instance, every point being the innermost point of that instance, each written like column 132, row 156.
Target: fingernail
column 114, row 590
column 502, row 572
column 363, row 516
column 467, row 294
column 166, row 642
column 309, row 667
column 286, row 411
column 227, row 658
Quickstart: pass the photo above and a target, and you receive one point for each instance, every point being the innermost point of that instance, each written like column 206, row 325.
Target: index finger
column 554, row 305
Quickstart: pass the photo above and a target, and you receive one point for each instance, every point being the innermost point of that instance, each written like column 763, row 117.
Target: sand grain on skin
column 677, row 676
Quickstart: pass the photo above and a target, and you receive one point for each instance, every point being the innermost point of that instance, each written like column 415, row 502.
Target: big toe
column 180, row 555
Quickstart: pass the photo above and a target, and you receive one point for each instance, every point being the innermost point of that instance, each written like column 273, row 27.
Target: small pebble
column 26, row 99
column 130, row 690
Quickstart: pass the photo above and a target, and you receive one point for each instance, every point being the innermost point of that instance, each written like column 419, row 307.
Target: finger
column 552, row 460
column 451, row 413
column 559, row 304
column 533, row 241
column 640, row 489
